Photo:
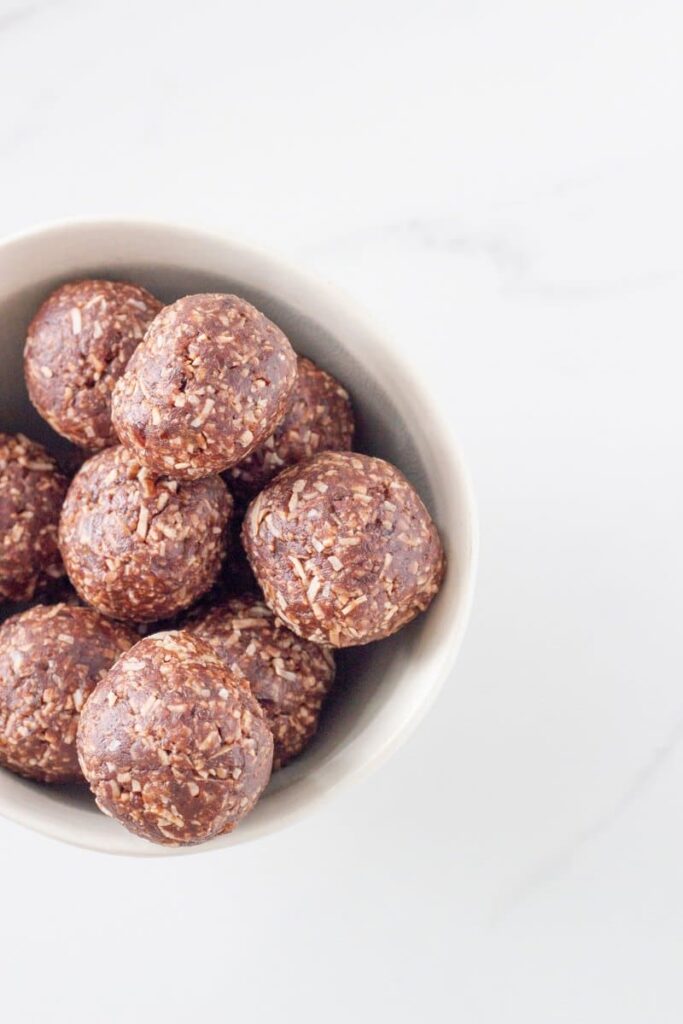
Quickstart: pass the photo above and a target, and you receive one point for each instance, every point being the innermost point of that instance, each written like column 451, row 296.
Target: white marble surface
column 501, row 184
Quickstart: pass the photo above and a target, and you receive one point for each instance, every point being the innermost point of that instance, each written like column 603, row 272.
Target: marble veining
column 500, row 186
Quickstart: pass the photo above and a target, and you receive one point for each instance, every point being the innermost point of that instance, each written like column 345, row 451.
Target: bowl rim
column 333, row 297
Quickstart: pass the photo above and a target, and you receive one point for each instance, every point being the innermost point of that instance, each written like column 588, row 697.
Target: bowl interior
column 382, row 688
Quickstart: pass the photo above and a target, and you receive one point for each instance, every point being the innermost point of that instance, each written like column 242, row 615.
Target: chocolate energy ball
column 31, row 494
column 140, row 547
column 78, row 345
column 343, row 548
column 171, row 745
column 210, row 383
column 319, row 418
column 289, row 677
column 51, row 659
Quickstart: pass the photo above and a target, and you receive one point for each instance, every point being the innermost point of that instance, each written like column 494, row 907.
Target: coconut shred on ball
column 210, row 383
column 171, row 745
column 31, row 494
column 140, row 547
column 343, row 548
column 51, row 659
column 319, row 418
column 289, row 677
column 78, row 345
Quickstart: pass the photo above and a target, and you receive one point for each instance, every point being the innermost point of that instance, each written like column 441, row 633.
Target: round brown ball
column 140, row 547
column 171, row 745
column 31, row 494
column 210, row 383
column 51, row 658
column 78, row 345
column 319, row 418
column 289, row 677
column 343, row 549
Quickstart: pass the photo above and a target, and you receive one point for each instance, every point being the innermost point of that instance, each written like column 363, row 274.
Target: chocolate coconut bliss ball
column 171, row 745
column 210, row 383
column 78, row 345
column 319, row 418
column 343, row 548
column 289, row 677
column 140, row 547
column 51, row 659
column 32, row 490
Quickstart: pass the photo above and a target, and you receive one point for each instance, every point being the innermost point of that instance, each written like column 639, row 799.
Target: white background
column 501, row 184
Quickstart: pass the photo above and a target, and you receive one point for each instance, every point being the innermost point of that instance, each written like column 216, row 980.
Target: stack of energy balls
column 220, row 514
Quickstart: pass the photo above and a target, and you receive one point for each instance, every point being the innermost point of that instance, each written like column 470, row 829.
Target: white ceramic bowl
column 383, row 689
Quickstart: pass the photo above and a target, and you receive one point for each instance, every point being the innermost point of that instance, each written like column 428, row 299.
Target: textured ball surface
column 289, row 677
column 319, row 418
column 210, row 383
column 32, row 490
column 171, row 745
column 78, row 345
column 343, row 549
column 140, row 547
column 51, row 659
